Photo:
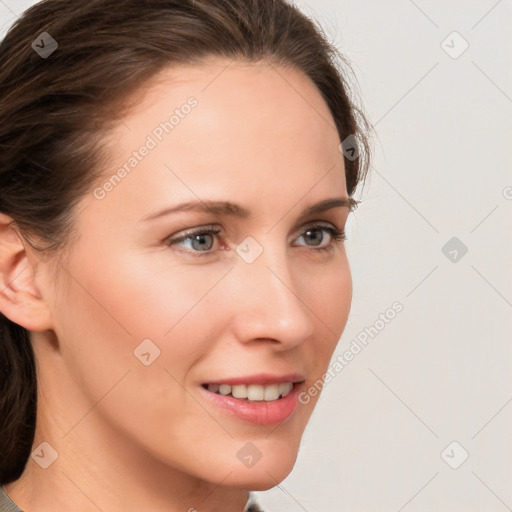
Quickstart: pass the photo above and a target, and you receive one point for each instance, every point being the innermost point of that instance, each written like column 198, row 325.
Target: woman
column 142, row 367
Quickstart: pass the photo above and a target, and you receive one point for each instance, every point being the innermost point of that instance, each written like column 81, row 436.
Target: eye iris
column 201, row 238
column 318, row 237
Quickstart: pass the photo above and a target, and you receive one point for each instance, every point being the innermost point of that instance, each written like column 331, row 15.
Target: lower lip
column 258, row 413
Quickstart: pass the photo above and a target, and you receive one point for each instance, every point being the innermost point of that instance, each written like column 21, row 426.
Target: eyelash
column 336, row 235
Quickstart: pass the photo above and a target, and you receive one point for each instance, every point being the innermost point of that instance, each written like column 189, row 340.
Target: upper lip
column 261, row 379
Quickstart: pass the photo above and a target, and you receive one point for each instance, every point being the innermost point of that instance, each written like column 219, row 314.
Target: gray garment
column 7, row 505
column 251, row 505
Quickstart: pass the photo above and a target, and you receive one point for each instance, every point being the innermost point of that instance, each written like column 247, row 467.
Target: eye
column 336, row 235
column 200, row 240
column 197, row 239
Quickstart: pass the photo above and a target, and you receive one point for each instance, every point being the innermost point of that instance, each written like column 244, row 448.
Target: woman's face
column 146, row 317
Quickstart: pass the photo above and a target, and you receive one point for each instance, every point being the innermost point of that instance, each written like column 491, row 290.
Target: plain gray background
column 432, row 387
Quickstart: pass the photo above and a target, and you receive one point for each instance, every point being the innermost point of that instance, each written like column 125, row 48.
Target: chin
column 258, row 482
column 268, row 472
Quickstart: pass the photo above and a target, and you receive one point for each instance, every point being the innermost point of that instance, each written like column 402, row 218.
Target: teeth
column 272, row 392
column 285, row 388
column 253, row 392
column 214, row 388
column 224, row 389
column 239, row 391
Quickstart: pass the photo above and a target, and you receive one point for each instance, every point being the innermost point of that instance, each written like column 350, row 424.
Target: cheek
column 342, row 297
column 329, row 302
column 130, row 300
column 135, row 299
column 111, row 314
column 332, row 288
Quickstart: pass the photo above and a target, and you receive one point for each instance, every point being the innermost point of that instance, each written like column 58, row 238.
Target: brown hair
column 55, row 113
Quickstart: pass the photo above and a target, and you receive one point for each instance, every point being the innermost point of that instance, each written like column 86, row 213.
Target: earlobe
column 20, row 299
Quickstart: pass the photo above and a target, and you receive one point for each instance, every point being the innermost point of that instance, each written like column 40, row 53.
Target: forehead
column 247, row 125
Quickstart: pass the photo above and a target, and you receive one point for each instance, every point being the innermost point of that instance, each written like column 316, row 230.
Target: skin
column 130, row 436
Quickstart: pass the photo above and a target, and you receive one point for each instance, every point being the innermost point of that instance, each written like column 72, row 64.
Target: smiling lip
column 257, row 412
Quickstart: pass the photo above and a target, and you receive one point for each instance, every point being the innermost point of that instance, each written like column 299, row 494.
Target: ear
column 20, row 300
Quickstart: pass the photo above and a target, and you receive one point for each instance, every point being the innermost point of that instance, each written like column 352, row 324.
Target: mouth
column 258, row 400
column 252, row 392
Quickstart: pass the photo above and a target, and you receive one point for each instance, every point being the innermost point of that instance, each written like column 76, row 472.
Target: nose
column 269, row 302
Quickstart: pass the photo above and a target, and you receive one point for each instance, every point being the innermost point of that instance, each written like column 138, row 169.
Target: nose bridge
column 272, row 306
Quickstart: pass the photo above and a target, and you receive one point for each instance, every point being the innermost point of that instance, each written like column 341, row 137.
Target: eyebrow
column 228, row 208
